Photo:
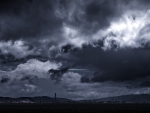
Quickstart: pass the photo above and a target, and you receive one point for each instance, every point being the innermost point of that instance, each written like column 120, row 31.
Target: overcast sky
column 105, row 43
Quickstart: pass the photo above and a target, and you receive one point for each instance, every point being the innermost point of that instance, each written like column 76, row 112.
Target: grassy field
column 74, row 108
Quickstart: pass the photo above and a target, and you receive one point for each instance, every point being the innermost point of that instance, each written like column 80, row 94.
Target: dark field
column 74, row 108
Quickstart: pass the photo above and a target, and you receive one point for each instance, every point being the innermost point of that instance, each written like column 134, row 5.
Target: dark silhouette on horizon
column 124, row 99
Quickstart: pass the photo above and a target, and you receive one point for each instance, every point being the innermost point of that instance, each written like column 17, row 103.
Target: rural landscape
column 119, row 104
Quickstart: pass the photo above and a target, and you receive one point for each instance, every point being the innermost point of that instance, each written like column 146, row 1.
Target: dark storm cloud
column 33, row 20
column 101, row 12
column 85, row 79
column 56, row 74
column 145, row 84
column 143, row 1
column 9, row 6
column 114, row 65
column 65, row 48
column 4, row 80
column 68, row 48
column 45, row 24
column 25, row 78
column 26, row 19
column 89, row 15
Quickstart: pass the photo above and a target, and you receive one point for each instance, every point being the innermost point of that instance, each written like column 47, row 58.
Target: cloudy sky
column 105, row 44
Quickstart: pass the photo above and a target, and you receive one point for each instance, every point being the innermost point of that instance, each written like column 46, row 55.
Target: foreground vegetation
column 74, row 108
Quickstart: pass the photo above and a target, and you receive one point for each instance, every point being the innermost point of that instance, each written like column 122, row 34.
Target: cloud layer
column 107, row 38
column 30, row 79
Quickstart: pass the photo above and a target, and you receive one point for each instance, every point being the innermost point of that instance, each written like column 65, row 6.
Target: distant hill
column 123, row 98
column 127, row 98
column 34, row 99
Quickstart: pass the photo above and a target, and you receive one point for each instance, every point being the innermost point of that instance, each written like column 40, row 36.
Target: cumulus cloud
column 24, row 77
column 34, row 67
